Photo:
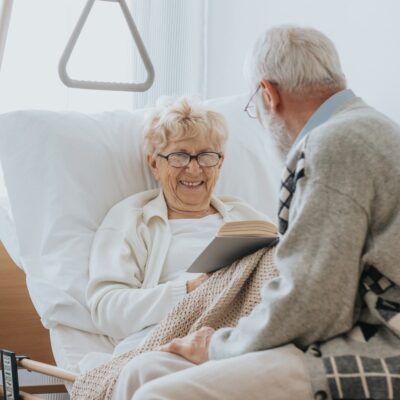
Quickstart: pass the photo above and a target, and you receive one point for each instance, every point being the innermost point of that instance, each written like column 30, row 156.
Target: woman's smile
column 191, row 184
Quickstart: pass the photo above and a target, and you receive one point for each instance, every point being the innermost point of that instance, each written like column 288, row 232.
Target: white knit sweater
column 128, row 254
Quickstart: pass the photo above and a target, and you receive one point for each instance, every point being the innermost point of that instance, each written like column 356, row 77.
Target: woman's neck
column 174, row 213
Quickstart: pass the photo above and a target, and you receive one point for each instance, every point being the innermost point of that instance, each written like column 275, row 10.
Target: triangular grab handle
column 96, row 85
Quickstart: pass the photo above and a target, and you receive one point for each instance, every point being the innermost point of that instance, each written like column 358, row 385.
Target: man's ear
column 152, row 163
column 221, row 161
column 270, row 95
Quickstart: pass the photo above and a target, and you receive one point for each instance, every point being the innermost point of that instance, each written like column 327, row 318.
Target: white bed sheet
column 8, row 233
column 78, row 351
column 70, row 345
column 73, row 350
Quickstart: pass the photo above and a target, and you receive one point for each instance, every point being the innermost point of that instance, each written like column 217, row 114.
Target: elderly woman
column 147, row 242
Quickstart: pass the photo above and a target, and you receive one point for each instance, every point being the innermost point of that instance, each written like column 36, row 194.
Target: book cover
column 224, row 250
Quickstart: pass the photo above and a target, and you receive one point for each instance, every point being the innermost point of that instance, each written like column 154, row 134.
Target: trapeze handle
column 98, row 85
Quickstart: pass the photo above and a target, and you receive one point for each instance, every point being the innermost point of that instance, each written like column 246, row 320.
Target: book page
column 256, row 228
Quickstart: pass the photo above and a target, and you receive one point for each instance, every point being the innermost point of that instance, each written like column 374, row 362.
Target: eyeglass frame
column 247, row 108
column 191, row 157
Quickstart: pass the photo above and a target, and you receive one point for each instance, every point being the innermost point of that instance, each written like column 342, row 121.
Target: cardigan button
column 320, row 395
column 315, row 351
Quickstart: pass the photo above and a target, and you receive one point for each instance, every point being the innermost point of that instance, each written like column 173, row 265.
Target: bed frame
column 22, row 333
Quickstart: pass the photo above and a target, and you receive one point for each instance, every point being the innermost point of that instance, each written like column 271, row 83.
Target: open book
column 235, row 240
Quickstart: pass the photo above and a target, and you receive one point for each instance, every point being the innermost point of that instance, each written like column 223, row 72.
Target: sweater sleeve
column 118, row 304
column 318, row 258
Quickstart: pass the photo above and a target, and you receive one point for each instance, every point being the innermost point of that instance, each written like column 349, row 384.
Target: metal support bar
column 9, row 372
column 5, row 16
column 96, row 85
column 22, row 396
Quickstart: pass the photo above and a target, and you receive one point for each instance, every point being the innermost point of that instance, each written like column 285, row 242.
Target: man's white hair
column 300, row 60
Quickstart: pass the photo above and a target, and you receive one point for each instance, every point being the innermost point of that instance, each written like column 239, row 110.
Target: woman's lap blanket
column 228, row 295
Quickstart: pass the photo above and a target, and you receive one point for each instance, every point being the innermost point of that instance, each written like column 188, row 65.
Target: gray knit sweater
column 338, row 295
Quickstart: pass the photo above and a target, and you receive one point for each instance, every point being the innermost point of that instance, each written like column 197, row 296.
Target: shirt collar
column 156, row 207
column 324, row 112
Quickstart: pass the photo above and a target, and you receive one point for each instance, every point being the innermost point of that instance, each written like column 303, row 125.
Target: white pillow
column 64, row 171
column 8, row 234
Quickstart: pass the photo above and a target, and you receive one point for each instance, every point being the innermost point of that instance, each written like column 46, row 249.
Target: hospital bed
column 63, row 171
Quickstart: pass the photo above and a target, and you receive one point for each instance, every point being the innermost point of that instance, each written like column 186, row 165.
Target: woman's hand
column 195, row 283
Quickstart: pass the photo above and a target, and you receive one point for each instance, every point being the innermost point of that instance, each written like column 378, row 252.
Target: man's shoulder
column 357, row 127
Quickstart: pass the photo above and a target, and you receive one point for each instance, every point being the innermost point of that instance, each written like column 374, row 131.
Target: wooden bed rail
column 46, row 369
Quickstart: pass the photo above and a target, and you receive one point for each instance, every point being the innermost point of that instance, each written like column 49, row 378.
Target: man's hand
column 193, row 347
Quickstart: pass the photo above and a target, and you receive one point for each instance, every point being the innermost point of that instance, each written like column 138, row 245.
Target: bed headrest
column 65, row 170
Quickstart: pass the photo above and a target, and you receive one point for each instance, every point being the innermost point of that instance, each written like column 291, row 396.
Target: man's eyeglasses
column 181, row 159
column 251, row 108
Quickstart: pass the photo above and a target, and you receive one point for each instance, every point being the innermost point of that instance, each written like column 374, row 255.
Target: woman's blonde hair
column 173, row 120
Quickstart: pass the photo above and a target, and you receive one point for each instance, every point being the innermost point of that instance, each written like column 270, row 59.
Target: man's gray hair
column 300, row 60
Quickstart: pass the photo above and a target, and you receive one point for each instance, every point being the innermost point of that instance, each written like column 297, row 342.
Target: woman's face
column 187, row 188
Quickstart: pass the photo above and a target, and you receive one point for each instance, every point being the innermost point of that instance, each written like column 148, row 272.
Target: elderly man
column 329, row 326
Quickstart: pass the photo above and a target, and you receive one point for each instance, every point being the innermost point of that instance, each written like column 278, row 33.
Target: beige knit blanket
column 221, row 301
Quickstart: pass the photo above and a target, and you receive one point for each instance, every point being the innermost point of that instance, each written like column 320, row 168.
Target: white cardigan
column 127, row 257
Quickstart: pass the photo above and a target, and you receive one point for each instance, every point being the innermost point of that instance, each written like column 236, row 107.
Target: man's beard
column 280, row 134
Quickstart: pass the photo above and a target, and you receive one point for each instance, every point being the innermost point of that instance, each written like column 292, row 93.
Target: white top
column 125, row 293
column 189, row 239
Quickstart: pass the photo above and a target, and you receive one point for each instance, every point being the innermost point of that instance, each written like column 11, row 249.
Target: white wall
column 174, row 32
column 366, row 33
column 207, row 59
column 38, row 33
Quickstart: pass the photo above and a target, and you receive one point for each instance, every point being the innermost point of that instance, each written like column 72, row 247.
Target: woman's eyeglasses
column 181, row 159
column 251, row 108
